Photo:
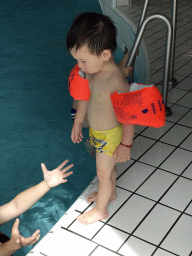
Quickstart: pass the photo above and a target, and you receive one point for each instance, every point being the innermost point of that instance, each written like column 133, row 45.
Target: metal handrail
column 142, row 18
column 173, row 81
column 168, row 50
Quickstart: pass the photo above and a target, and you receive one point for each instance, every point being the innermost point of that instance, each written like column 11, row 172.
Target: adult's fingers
column 15, row 227
column 63, row 164
column 67, row 174
column 32, row 239
column 67, row 168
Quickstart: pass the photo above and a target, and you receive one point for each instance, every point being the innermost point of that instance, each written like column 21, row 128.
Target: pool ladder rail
column 170, row 50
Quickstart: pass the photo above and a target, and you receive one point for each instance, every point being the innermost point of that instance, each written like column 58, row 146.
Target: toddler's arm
column 128, row 133
column 76, row 133
column 123, row 153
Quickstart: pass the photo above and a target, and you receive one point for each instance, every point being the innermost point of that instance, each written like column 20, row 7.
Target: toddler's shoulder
column 117, row 81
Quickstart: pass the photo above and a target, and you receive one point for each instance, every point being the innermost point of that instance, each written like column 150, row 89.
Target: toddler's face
column 87, row 62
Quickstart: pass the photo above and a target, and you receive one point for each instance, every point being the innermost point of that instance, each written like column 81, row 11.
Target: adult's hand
column 58, row 175
column 17, row 240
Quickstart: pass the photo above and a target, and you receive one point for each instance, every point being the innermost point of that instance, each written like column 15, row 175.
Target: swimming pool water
column 35, row 108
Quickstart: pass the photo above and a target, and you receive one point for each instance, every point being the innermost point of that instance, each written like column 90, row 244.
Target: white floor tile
column 133, row 177
column 186, row 84
column 136, row 247
column 157, row 224
column 188, row 172
column 179, row 240
column 178, row 161
column 161, row 252
column 122, row 196
column 157, row 184
column 189, row 52
column 157, row 154
column 158, row 53
column 110, row 237
column 179, row 78
column 140, row 145
column 175, row 94
column 64, row 242
column 139, row 128
column 156, row 133
column 83, row 205
column 176, row 135
column 179, row 195
column 189, row 209
column 158, row 64
column 184, row 58
column 86, row 231
column 186, row 100
column 71, row 218
column 184, row 70
column 128, row 217
column 187, row 120
column 187, row 144
column 183, row 48
column 103, row 251
column 157, row 77
column 177, row 66
column 121, row 167
column 177, row 113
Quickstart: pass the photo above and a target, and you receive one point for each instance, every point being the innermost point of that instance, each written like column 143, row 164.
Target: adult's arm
column 23, row 201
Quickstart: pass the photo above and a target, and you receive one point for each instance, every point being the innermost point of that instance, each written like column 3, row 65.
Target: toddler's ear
column 106, row 55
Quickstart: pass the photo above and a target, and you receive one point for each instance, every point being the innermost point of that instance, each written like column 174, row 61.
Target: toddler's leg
column 93, row 196
column 114, row 178
column 105, row 166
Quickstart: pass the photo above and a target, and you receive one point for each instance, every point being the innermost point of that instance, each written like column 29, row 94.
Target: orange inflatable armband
column 78, row 86
column 144, row 106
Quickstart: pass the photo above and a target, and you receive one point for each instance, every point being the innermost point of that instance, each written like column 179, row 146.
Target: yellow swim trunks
column 106, row 141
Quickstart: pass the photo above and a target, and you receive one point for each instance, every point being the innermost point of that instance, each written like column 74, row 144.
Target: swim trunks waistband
column 106, row 141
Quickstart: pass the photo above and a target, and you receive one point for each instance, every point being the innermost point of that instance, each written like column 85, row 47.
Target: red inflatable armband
column 143, row 107
column 78, row 86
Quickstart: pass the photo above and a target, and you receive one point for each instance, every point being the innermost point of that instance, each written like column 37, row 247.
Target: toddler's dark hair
column 96, row 31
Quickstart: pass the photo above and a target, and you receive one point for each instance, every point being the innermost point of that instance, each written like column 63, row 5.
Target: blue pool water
column 35, row 108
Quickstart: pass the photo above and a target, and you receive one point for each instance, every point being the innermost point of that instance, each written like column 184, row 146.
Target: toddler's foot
column 93, row 197
column 92, row 216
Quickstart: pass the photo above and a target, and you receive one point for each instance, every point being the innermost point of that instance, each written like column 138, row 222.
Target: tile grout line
column 172, row 227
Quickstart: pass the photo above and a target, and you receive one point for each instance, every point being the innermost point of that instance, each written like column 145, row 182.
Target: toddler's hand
column 76, row 133
column 122, row 154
